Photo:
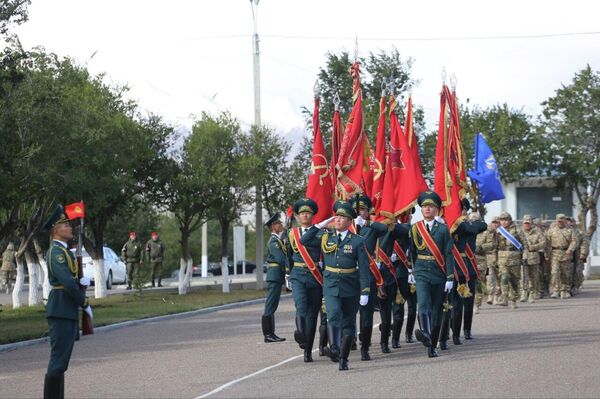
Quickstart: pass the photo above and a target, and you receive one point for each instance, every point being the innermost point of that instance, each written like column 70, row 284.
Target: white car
column 115, row 270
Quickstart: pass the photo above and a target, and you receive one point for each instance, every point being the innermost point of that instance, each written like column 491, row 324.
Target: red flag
column 379, row 159
column 385, row 212
column 319, row 187
column 414, row 147
column 352, row 154
column 368, row 172
column 75, row 210
column 449, row 159
column 336, row 140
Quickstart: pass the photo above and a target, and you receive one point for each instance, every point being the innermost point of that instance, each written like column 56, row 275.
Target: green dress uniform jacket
column 425, row 267
column 66, row 297
column 312, row 243
column 466, row 234
column 277, row 260
column 371, row 232
column 155, row 250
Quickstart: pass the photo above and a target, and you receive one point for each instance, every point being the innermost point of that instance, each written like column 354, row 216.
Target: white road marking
column 230, row 383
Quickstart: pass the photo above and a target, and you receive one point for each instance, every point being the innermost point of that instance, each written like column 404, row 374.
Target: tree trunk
column 225, row 274
column 100, row 290
column 44, row 265
column 33, row 270
column 224, row 268
column 185, row 263
column 592, row 206
column 19, row 284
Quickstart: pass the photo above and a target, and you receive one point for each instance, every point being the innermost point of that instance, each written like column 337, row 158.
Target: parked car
column 115, row 270
column 215, row 267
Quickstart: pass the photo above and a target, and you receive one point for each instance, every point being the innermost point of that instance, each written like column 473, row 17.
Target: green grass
column 30, row 322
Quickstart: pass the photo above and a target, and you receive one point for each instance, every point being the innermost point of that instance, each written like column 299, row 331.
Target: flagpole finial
column 336, row 101
column 317, row 89
column 453, row 81
column 384, row 87
column 391, row 86
column 356, row 49
column 444, row 76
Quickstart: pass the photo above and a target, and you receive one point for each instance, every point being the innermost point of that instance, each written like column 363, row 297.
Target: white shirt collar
column 64, row 244
column 343, row 233
column 430, row 223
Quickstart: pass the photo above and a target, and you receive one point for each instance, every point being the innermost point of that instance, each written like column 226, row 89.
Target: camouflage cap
column 527, row 219
column 561, row 216
column 504, row 216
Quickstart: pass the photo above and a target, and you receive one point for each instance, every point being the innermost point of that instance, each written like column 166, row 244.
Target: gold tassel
column 413, row 288
column 463, row 291
column 399, row 298
column 323, row 308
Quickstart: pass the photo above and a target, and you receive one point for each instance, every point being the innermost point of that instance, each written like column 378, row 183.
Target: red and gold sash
column 386, row 261
column 401, row 254
column 461, row 263
column 375, row 270
column 431, row 245
column 473, row 259
column 312, row 266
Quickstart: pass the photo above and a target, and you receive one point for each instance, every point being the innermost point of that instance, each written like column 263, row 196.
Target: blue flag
column 486, row 172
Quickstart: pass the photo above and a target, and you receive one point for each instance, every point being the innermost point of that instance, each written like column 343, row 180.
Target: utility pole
column 257, row 124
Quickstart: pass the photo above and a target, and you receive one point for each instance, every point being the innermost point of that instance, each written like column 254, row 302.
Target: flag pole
column 87, row 328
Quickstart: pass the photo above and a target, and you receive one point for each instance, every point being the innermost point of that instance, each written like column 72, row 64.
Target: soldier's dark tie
column 339, row 239
column 428, row 229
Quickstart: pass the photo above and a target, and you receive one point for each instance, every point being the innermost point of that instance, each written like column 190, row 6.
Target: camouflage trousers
column 530, row 279
column 510, row 277
column 7, row 278
column 493, row 283
column 544, row 278
column 480, row 288
column 562, row 273
column 578, row 280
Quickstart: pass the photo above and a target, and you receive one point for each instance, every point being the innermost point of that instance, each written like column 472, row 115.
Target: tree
column 571, row 122
column 12, row 12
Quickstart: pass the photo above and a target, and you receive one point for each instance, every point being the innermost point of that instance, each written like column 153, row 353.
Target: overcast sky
column 182, row 57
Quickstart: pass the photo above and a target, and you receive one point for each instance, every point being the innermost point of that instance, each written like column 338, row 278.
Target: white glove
column 360, row 221
column 378, row 265
column 321, row 264
column 288, row 283
column 85, row 281
column 325, row 223
column 411, row 279
column 449, row 285
column 394, row 257
column 364, row 299
column 88, row 310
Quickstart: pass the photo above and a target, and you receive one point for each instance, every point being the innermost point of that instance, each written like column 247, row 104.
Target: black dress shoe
column 456, row 340
column 432, row 352
column 343, row 364
column 385, row 348
column 468, row 334
column 409, row 339
column 273, row 338
column 364, row 353
column 308, row 357
column 422, row 338
column 395, row 343
column 443, row 345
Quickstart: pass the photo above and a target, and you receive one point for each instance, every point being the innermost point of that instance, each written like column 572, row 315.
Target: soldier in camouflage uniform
column 9, row 267
column 579, row 256
column 534, row 241
column 155, row 253
column 544, row 273
column 509, row 259
column 131, row 253
column 584, row 251
column 489, row 245
column 480, row 254
column 561, row 242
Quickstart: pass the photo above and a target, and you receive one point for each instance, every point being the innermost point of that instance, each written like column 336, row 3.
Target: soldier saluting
column 277, row 264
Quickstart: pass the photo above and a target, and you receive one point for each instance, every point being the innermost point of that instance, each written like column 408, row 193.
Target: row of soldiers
column 551, row 261
column 132, row 254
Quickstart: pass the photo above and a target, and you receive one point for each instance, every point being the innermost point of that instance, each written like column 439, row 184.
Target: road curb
column 130, row 323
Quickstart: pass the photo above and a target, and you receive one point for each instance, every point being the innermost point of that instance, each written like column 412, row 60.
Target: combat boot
column 322, row 339
column 153, row 283
column 410, row 325
column 334, row 335
column 531, row 297
column 445, row 333
column 435, row 333
column 365, row 343
column 456, row 323
column 513, row 305
column 468, row 324
column 503, row 301
column 424, row 333
column 385, row 336
column 523, row 296
column 345, row 351
column 159, row 280
column 53, row 386
column 490, row 299
column 554, row 295
column 396, row 328
column 300, row 334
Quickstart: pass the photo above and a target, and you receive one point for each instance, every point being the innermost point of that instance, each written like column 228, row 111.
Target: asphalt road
column 547, row 349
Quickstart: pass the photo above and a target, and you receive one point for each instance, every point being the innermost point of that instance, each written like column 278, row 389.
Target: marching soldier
column 345, row 279
column 155, row 252
column 577, row 255
column 431, row 251
column 561, row 243
column 480, row 255
column 64, row 301
column 277, row 264
column 510, row 247
column 535, row 241
column 545, row 268
column 408, row 290
column 9, row 266
column 371, row 232
column 131, row 253
column 490, row 247
column 305, row 276
column 584, row 250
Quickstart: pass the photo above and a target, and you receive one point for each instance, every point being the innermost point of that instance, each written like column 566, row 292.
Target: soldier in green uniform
column 9, row 266
column 433, row 269
column 465, row 238
column 155, row 253
column 64, row 301
column 561, row 242
column 131, row 253
column 306, row 287
column 277, row 264
column 345, row 280
column 395, row 239
column 371, row 232
column 534, row 242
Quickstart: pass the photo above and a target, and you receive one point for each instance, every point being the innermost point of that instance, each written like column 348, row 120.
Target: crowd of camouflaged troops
column 350, row 264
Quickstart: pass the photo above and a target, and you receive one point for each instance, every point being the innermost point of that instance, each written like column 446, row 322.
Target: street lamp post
column 259, row 222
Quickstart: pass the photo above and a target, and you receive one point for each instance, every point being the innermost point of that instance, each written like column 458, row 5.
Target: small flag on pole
column 75, row 210
column 486, row 172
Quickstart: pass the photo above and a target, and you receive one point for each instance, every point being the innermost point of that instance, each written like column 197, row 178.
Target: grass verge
column 30, row 322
